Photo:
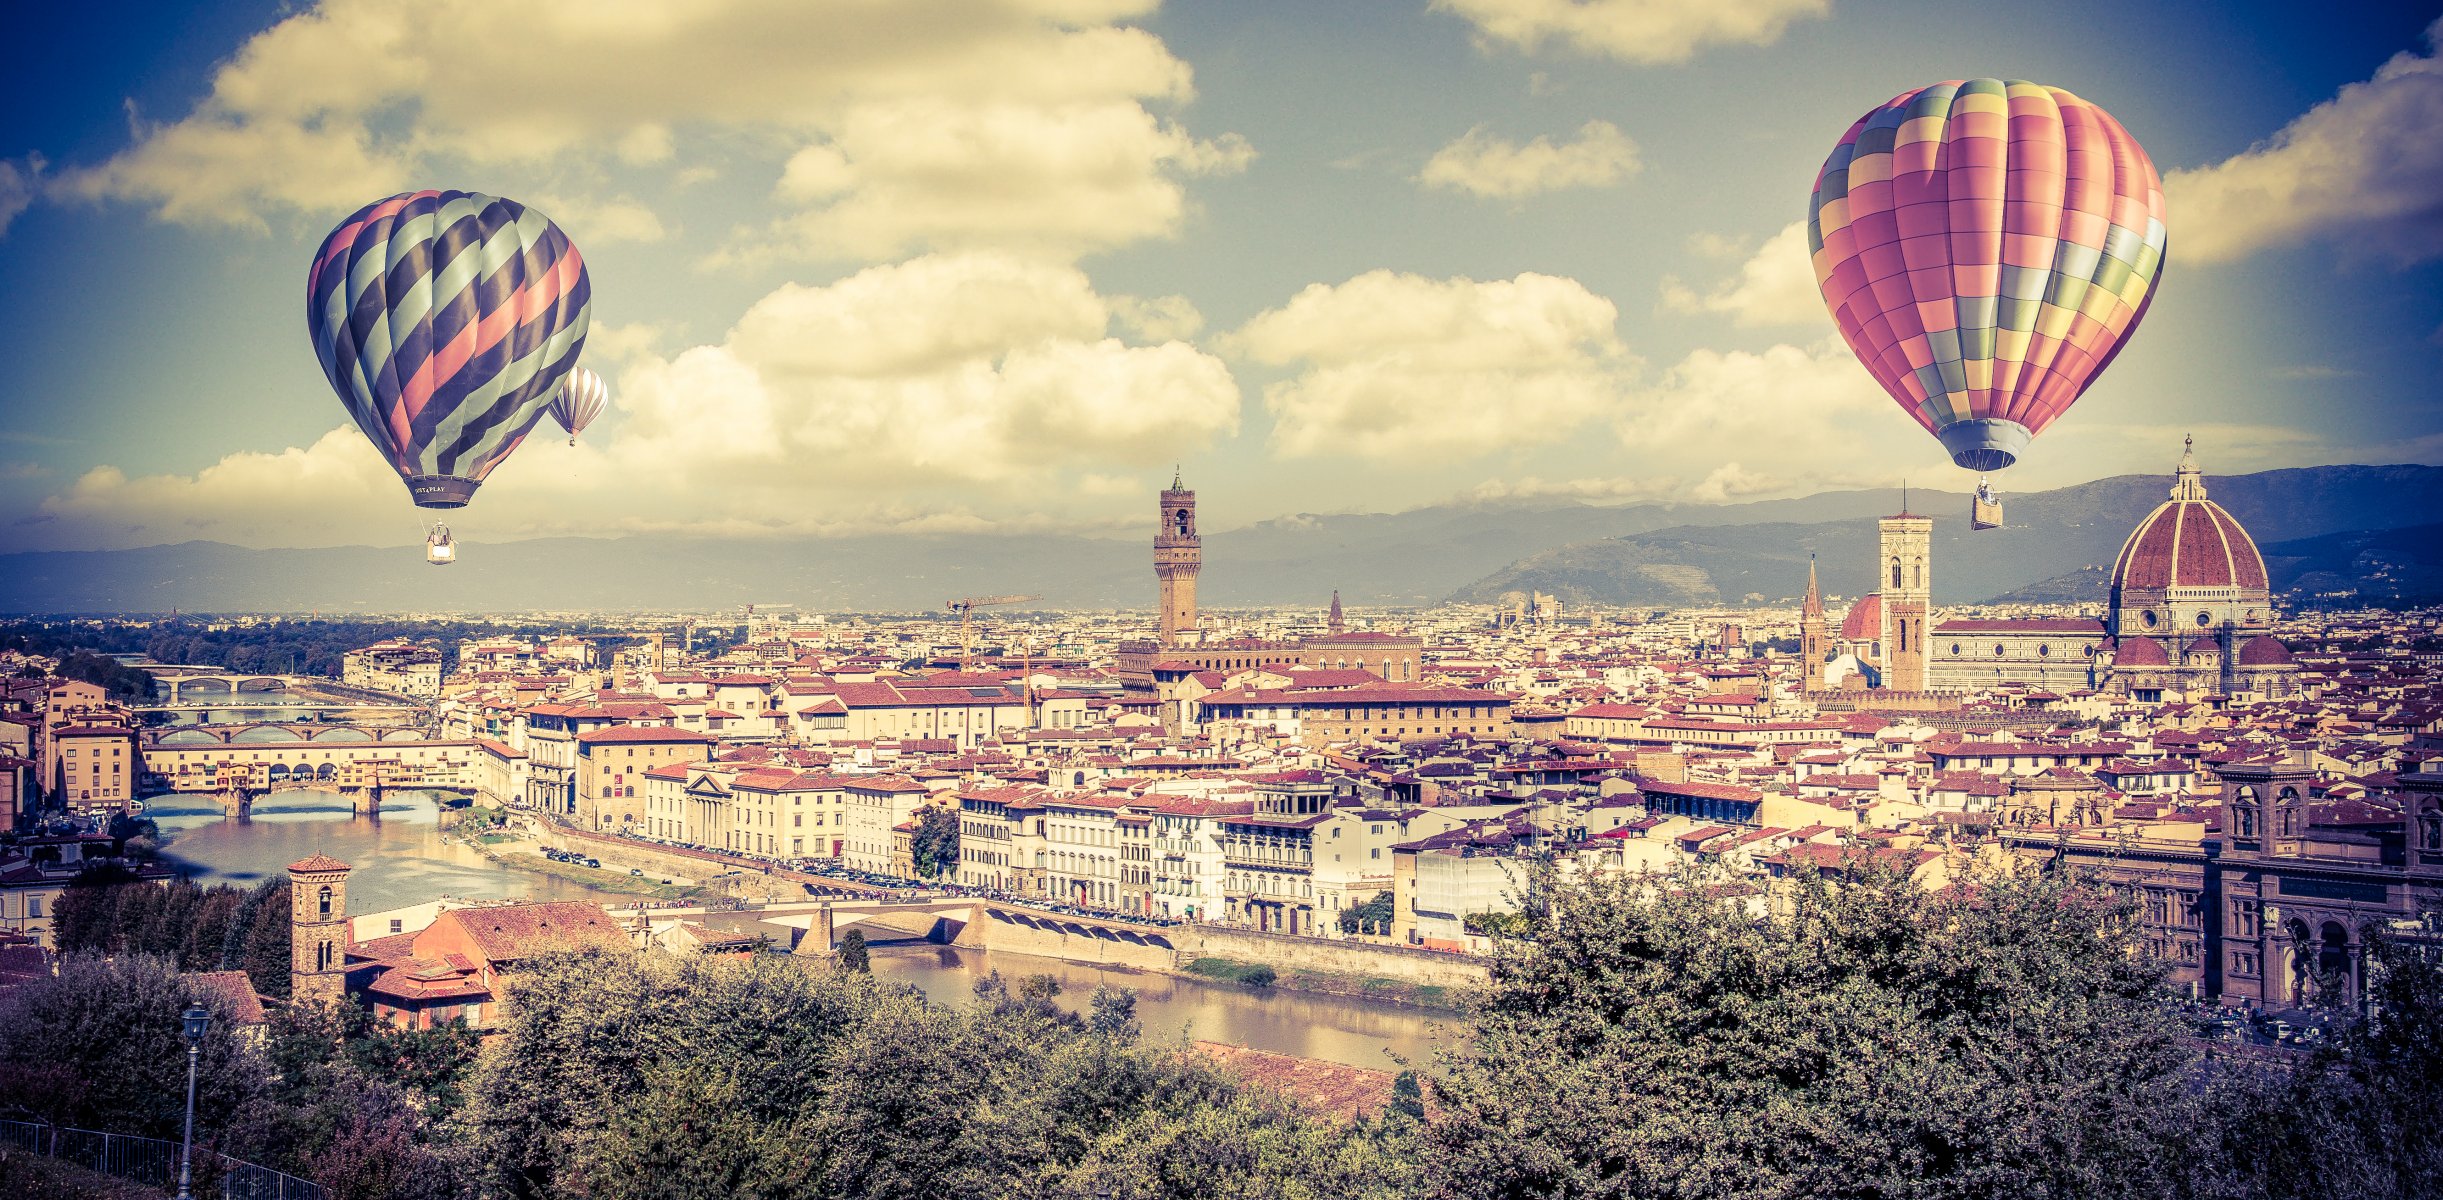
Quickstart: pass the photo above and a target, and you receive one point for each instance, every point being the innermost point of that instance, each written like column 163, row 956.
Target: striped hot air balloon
column 445, row 321
column 1986, row 247
column 581, row 397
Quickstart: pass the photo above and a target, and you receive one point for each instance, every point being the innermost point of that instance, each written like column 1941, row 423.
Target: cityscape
column 1030, row 711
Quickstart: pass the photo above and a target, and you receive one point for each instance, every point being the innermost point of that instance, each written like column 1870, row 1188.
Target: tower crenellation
column 1178, row 556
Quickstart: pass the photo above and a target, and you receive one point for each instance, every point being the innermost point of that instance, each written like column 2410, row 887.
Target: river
column 401, row 859
column 399, row 854
column 1363, row 1033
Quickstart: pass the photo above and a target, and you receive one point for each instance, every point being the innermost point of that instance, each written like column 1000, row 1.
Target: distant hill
column 1635, row 554
column 2059, row 545
column 2391, row 565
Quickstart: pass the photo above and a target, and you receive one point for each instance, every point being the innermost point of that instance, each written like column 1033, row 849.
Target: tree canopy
column 1651, row 1038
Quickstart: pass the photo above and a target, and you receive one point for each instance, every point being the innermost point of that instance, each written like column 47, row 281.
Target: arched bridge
column 192, row 689
column 963, row 920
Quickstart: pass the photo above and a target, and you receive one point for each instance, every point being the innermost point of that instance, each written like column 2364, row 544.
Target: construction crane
column 965, row 608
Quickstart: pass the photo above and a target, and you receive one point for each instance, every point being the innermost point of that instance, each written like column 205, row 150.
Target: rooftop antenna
column 1904, row 497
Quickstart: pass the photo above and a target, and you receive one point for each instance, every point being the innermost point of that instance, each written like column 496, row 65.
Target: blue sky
column 932, row 265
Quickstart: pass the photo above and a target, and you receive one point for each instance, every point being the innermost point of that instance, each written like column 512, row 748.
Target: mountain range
column 2349, row 523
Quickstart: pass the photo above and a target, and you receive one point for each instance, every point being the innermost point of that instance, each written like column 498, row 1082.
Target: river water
column 1363, row 1033
column 401, row 859
column 399, row 854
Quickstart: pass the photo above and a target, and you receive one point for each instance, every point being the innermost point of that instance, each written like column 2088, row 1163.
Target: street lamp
column 198, row 1019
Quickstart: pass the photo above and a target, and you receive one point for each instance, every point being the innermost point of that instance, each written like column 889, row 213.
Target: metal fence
column 154, row 1162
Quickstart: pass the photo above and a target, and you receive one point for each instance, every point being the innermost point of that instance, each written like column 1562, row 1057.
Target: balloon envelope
column 581, row 397
column 1986, row 247
column 445, row 321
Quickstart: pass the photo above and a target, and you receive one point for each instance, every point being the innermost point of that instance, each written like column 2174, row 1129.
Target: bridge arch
column 261, row 735
column 403, row 735
column 262, row 683
column 342, row 734
column 189, row 737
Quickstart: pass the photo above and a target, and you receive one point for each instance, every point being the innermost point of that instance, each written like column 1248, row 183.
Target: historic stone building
column 1178, row 555
column 2192, row 610
column 1906, row 557
column 1883, row 639
column 2279, row 908
column 1158, row 671
column 318, row 930
column 1814, row 635
column 2190, row 615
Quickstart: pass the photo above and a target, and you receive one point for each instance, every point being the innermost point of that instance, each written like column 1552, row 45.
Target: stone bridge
column 279, row 732
column 965, row 921
column 188, row 686
column 238, row 785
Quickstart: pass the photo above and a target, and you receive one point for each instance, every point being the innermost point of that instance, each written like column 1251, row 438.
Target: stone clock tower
column 1178, row 555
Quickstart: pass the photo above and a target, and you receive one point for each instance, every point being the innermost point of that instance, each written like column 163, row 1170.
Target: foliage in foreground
column 1875, row 1039
column 1999, row 1038
column 620, row 1076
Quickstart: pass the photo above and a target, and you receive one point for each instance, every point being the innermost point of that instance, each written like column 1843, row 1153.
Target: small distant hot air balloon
column 1986, row 247
column 580, row 400
column 445, row 321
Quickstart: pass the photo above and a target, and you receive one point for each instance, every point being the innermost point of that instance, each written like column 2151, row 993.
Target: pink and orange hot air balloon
column 1986, row 247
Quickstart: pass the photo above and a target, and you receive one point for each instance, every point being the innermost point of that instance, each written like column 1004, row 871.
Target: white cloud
column 1782, row 420
column 1775, row 286
column 332, row 492
column 923, row 124
column 1730, row 482
column 943, row 173
column 976, row 367
column 1394, row 365
column 1646, row 32
column 20, row 178
column 591, row 222
column 2365, row 166
column 1484, row 165
column 952, row 392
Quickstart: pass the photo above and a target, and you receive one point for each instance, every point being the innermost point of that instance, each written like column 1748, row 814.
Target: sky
column 920, row 265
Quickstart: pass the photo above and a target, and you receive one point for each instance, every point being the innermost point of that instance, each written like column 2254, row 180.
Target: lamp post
column 198, row 1019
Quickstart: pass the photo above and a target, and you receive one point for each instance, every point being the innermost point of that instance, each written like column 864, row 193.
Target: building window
column 325, row 896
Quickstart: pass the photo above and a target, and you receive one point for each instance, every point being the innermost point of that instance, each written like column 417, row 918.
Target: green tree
column 1667, row 1038
column 1373, row 916
column 853, row 954
column 1113, row 1014
column 266, row 937
column 99, row 1046
column 936, row 841
column 2358, row 1118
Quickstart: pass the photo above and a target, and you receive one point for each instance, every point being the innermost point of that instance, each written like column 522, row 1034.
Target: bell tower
column 1906, row 567
column 318, row 930
column 1178, row 556
column 1813, row 635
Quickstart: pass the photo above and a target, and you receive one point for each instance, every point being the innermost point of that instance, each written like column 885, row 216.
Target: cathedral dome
column 2188, row 541
column 2140, row 652
column 2264, row 651
column 1865, row 620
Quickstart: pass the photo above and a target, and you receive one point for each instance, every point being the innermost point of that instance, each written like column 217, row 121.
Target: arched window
column 1181, row 522
column 325, row 896
column 1895, row 573
column 2430, row 830
column 322, row 957
column 1917, row 572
